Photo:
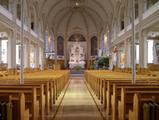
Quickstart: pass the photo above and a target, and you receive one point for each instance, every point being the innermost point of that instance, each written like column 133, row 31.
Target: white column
column 43, row 53
column 11, row 49
column 155, row 57
column 129, row 54
column 27, row 55
column 12, row 40
column 142, row 38
column 109, row 43
column 65, row 51
column 40, row 58
column 143, row 49
column 55, row 49
column 88, row 51
column 118, row 56
column 37, row 56
column 126, row 52
column 0, row 51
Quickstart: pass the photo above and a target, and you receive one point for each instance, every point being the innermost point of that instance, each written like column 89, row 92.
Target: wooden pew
column 123, row 95
column 31, row 97
column 22, row 113
column 135, row 113
column 98, row 80
column 45, row 93
column 108, row 89
column 53, row 85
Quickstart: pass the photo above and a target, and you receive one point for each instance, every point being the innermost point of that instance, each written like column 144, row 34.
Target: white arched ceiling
column 90, row 17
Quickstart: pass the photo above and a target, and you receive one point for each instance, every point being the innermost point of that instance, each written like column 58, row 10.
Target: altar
column 73, row 65
column 77, row 56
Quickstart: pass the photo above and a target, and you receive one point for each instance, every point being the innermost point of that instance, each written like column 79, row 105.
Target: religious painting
column 94, row 43
column 157, row 51
column 60, row 46
column 77, row 38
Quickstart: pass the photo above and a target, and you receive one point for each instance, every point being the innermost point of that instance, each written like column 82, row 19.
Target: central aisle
column 78, row 103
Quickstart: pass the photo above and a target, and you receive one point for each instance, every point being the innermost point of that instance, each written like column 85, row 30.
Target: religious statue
column 77, row 51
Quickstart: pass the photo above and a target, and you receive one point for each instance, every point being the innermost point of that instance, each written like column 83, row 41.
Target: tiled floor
column 78, row 103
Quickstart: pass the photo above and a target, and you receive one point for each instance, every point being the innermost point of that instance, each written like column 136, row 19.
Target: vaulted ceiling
column 68, row 16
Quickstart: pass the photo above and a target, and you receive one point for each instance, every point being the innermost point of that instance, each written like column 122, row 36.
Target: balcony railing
column 6, row 13
column 151, row 10
column 121, row 33
column 9, row 15
column 33, row 33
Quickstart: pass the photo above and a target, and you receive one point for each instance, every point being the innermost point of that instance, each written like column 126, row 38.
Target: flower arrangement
column 77, row 68
column 101, row 63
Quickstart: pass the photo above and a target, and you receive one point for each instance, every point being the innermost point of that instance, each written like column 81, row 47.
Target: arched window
column 32, row 21
column 94, row 46
column 136, row 8
column 33, row 16
column 122, row 18
column 60, row 46
column 19, row 10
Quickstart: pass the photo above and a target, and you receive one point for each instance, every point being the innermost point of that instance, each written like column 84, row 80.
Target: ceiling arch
column 105, row 5
column 54, row 18
column 59, row 13
column 86, row 15
column 85, row 21
column 91, row 17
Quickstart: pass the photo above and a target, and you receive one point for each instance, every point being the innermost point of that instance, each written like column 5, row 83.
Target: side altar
column 77, row 56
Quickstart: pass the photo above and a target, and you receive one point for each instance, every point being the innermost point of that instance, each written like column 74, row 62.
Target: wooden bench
column 107, row 89
column 48, row 85
column 21, row 112
column 136, row 111
column 124, row 95
column 102, row 82
column 31, row 97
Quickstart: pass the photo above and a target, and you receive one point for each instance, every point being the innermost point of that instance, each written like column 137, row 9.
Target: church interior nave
column 79, row 59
